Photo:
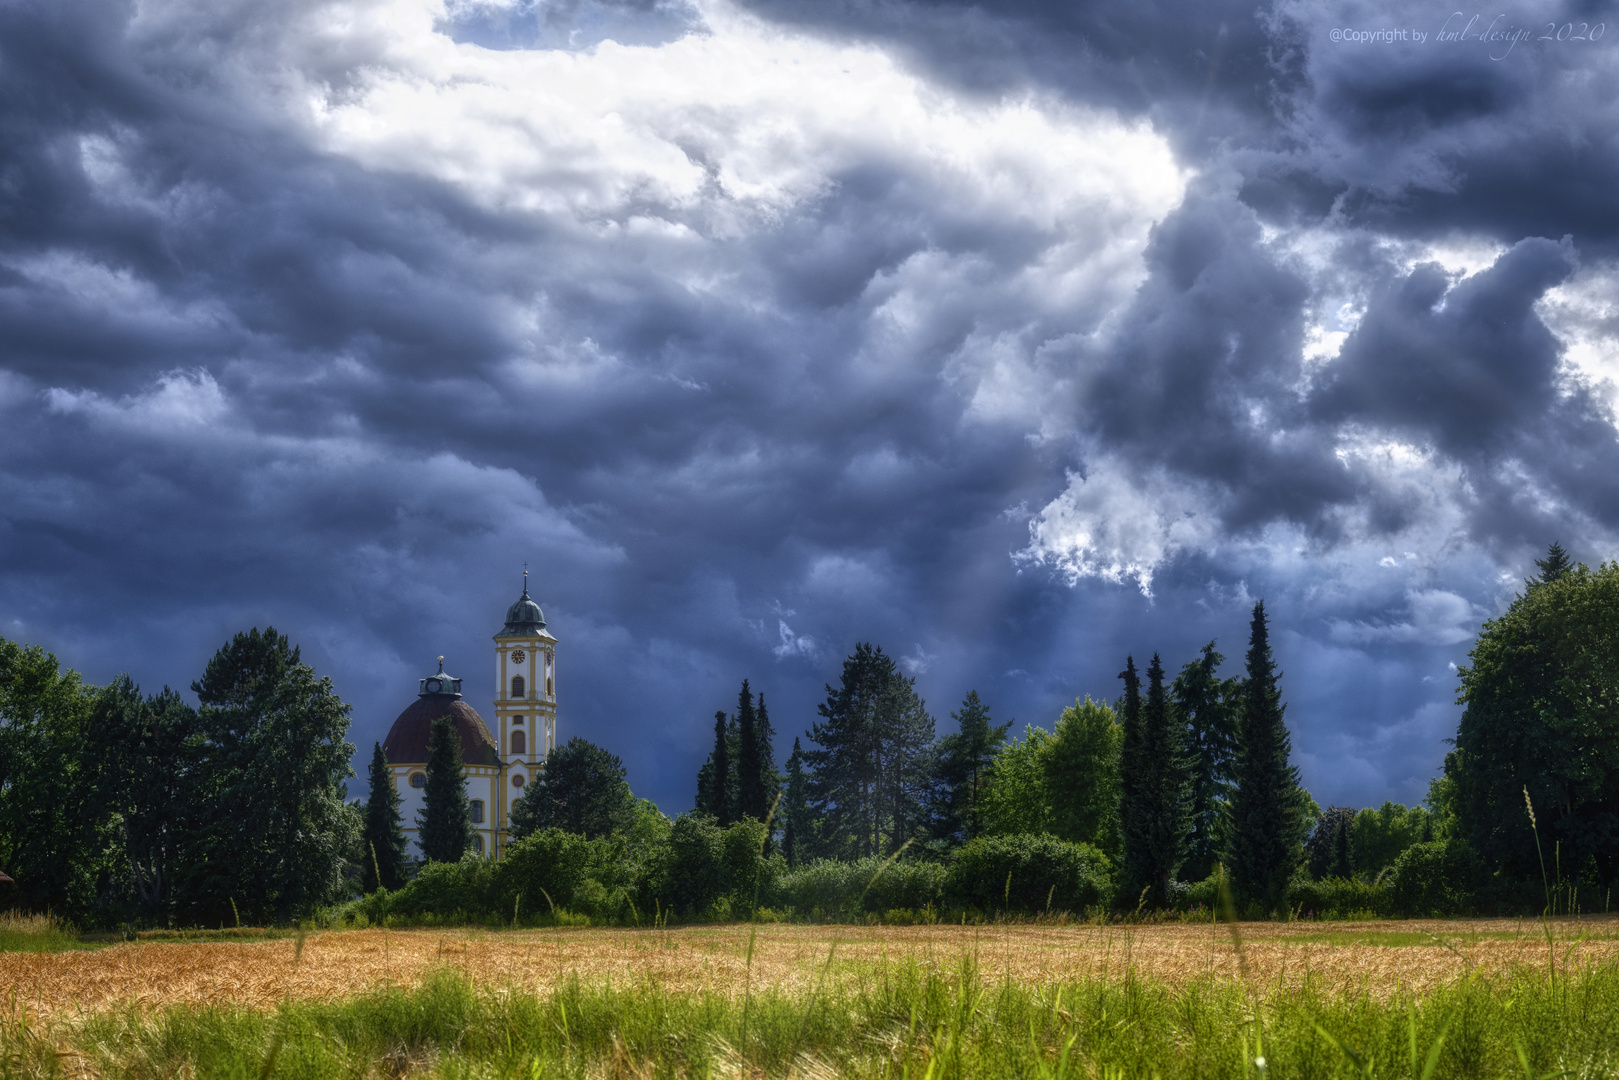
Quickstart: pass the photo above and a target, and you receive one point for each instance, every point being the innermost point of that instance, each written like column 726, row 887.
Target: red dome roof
column 406, row 743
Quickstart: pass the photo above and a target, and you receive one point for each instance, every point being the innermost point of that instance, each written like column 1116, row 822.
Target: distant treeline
column 1178, row 793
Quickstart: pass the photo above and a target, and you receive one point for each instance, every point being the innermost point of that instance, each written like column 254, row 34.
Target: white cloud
column 1118, row 526
column 181, row 400
column 1433, row 617
column 792, row 644
column 744, row 120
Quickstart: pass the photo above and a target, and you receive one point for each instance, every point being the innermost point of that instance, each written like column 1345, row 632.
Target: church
column 498, row 763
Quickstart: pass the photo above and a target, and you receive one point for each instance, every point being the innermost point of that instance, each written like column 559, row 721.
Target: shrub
column 1439, row 877
column 1337, row 897
column 1029, row 873
column 450, row 890
column 553, row 869
column 847, row 890
column 709, row 872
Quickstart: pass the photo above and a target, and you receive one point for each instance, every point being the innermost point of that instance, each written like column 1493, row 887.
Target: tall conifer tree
column 720, row 782
column 750, row 786
column 797, row 835
column 1206, row 705
column 964, row 766
column 1265, row 847
column 875, row 763
column 445, row 821
column 1162, row 832
column 384, row 837
column 1133, row 782
column 769, row 778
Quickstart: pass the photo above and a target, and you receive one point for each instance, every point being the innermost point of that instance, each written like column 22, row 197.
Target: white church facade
column 498, row 763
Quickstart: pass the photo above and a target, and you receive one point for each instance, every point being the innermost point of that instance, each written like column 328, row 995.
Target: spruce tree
column 1134, row 785
column 1169, row 821
column 797, row 837
column 1265, row 848
column 872, row 772
column 445, row 821
column 964, row 766
column 383, row 840
column 1206, row 705
column 1553, row 566
column 1155, row 807
column 750, row 785
column 769, row 778
column 721, row 782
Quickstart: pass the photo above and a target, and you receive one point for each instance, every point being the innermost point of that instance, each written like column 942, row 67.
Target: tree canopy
column 1541, row 699
column 582, row 790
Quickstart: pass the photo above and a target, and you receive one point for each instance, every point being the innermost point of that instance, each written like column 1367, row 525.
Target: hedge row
column 706, row 873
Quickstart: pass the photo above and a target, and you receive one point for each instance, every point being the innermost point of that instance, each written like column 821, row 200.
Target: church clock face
column 519, row 656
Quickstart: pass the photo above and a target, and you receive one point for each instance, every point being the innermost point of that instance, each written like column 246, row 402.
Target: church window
column 519, row 743
column 517, row 781
column 418, row 780
column 517, row 720
column 477, row 811
column 517, row 686
column 477, row 843
column 548, row 686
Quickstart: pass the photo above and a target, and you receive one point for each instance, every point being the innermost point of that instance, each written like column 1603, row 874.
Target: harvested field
column 1381, row 957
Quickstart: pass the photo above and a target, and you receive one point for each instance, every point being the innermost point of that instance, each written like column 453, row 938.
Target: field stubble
column 1352, row 958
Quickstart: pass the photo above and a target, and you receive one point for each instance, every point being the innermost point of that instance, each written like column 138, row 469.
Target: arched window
column 519, row 743
column 418, row 780
column 477, row 811
column 477, row 843
column 517, row 686
column 548, row 686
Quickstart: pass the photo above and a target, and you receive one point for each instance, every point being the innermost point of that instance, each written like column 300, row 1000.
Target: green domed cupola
column 524, row 618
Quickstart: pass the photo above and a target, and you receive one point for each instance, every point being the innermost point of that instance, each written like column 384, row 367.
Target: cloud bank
column 1014, row 339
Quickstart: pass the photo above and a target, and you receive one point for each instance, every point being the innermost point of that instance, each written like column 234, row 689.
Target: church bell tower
column 525, row 698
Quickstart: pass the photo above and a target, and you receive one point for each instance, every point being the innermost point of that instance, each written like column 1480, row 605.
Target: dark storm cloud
column 250, row 377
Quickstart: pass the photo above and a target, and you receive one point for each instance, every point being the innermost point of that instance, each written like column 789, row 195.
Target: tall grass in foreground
column 34, row 933
column 908, row 1020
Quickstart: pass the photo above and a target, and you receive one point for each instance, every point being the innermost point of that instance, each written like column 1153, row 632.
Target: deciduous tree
column 272, row 765
column 1541, row 701
column 582, row 790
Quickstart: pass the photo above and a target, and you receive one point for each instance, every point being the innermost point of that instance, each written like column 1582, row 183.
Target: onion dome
column 440, row 695
column 524, row 618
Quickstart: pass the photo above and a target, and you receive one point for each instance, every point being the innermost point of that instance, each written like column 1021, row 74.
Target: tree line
column 1168, row 779
column 117, row 806
column 120, row 806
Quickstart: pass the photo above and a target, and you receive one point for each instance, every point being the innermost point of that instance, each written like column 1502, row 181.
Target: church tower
column 525, row 700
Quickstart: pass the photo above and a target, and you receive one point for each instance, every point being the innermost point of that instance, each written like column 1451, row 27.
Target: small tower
column 525, row 697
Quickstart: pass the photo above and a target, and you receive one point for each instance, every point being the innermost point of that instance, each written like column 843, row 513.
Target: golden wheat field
column 1380, row 956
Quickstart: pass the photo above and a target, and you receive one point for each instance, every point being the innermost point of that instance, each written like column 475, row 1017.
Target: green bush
column 552, row 870
column 1199, row 895
column 829, row 889
column 1028, row 873
column 1338, row 897
column 710, row 872
column 454, row 891
column 1440, row 877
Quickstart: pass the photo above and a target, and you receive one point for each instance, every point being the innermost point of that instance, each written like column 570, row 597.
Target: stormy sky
column 1012, row 337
